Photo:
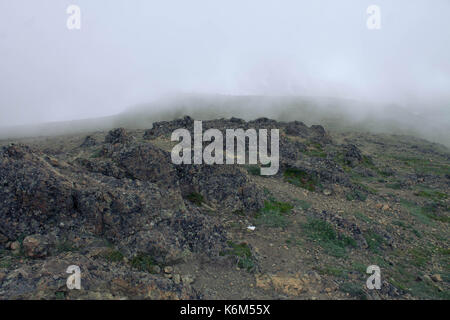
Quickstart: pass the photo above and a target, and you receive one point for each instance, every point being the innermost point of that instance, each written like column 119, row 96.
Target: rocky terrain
column 140, row 227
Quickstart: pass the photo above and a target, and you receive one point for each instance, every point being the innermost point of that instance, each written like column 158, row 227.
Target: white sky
column 129, row 52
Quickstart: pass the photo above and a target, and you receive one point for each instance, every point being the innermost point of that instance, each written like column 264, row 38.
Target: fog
column 131, row 55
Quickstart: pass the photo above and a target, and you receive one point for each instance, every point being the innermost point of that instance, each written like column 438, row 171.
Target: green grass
column 315, row 150
column 395, row 186
column 335, row 271
column 60, row 295
column 431, row 194
column 305, row 205
column 328, row 238
column 426, row 214
column 420, row 257
column 243, row 255
column 356, row 194
column 423, row 165
column 195, row 198
column 354, row 289
column 374, row 241
column 143, row 262
column 302, row 179
column 96, row 154
column 363, row 217
column 254, row 170
column 66, row 246
column 405, row 278
column 273, row 214
column 113, row 255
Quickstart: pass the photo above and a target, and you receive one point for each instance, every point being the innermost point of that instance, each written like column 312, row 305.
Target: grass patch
column 196, row 198
column 353, row 289
column 356, row 194
column 305, row 205
column 96, row 154
column 395, row 186
column 420, row 257
column 302, row 179
column 315, row 150
column 274, row 214
column 431, row 194
column 427, row 213
column 113, row 255
column 363, row 217
column 328, row 238
column 66, row 246
column 243, row 255
column 254, row 170
column 424, row 165
column 374, row 241
column 143, row 262
column 332, row 271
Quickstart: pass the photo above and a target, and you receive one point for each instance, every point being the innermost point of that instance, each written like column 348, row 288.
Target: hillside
column 139, row 226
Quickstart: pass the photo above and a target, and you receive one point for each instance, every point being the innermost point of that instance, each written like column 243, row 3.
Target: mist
column 295, row 59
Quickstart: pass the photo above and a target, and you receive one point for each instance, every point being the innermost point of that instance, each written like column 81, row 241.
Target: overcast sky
column 129, row 52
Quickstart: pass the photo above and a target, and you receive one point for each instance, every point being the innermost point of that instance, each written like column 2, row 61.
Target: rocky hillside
column 140, row 227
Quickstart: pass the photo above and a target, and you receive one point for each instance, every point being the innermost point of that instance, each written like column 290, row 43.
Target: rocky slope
column 140, row 227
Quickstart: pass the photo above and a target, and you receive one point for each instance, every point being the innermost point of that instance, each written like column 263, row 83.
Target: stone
column 187, row 279
column 35, row 246
column 436, row 278
column 15, row 246
column 168, row 269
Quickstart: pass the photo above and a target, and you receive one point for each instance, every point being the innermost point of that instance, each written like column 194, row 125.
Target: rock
column 187, row 279
column 89, row 142
column 15, row 246
column 352, row 156
column 168, row 269
column 119, row 135
column 316, row 276
column 156, row 269
column 385, row 207
column 326, row 192
column 35, row 246
column 176, row 278
column 436, row 278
